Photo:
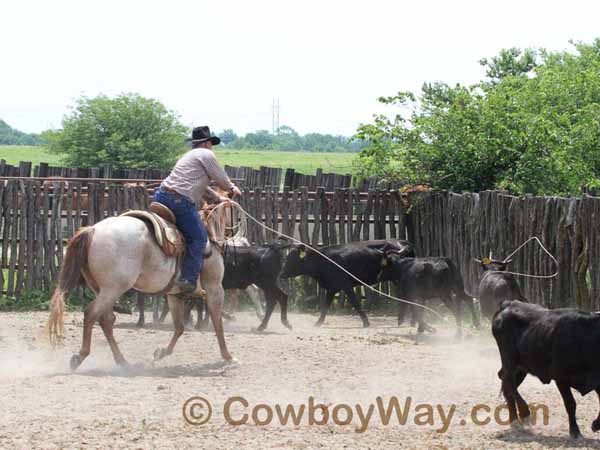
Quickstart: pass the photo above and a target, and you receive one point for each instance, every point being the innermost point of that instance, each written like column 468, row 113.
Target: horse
column 121, row 253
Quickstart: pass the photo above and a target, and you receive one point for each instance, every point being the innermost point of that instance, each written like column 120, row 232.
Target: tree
column 287, row 139
column 532, row 126
column 10, row 136
column 125, row 131
column 228, row 136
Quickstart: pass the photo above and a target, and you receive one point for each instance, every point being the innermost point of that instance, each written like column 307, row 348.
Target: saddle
column 161, row 221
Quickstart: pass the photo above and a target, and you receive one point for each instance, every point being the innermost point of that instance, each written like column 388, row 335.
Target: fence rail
column 246, row 177
column 36, row 219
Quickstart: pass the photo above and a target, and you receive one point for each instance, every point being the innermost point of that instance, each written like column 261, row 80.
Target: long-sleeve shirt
column 194, row 172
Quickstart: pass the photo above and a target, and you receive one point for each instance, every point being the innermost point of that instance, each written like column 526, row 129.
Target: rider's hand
column 235, row 191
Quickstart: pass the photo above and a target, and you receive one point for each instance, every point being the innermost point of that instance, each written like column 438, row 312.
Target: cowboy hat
column 202, row 134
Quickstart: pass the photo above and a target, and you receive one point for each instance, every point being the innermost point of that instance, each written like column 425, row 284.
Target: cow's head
column 295, row 263
column 490, row 264
column 388, row 258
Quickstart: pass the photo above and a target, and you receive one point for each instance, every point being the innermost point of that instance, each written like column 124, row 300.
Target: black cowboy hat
column 202, row 134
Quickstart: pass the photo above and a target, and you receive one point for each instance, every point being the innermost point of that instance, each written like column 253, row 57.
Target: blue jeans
column 192, row 228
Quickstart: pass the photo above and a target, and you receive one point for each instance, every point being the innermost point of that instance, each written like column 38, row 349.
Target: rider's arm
column 215, row 172
column 211, row 197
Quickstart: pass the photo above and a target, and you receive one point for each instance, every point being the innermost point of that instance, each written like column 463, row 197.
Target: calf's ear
column 301, row 250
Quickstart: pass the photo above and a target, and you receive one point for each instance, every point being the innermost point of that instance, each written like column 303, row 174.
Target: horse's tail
column 74, row 264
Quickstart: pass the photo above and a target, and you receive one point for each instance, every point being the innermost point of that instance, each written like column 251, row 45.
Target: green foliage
column 39, row 301
column 532, row 126
column 287, row 139
column 125, row 131
column 227, row 136
column 10, row 136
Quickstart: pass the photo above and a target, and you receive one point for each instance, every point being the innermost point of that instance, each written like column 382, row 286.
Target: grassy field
column 15, row 153
column 303, row 162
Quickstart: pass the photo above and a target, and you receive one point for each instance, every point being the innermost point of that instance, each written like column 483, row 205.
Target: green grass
column 15, row 153
column 303, row 162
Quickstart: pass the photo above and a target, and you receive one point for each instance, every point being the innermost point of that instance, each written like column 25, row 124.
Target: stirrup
column 199, row 292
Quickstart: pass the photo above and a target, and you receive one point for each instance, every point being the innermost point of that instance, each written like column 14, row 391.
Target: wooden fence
column 37, row 218
column 246, row 177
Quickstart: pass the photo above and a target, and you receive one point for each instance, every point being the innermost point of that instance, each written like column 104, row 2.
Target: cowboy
column 184, row 190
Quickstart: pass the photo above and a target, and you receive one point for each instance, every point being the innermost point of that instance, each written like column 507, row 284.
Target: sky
column 221, row 62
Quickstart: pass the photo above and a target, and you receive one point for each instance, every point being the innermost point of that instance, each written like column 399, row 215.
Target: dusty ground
column 42, row 405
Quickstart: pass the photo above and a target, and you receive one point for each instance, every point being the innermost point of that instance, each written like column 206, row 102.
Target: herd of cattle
column 560, row 345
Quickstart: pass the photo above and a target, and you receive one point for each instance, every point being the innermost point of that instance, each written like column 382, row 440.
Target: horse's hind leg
column 100, row 305
column 107, row 322
column 176, row 307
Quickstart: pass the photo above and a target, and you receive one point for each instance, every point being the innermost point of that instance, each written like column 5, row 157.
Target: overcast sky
column 222, row 62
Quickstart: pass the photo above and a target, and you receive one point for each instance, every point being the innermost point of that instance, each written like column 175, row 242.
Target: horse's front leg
column 176, row 307
column 215, row 296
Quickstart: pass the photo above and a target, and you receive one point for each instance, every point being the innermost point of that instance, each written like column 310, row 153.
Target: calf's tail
column 70, row 276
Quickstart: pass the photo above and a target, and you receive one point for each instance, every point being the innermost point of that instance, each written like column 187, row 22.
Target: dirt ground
column 43, row 405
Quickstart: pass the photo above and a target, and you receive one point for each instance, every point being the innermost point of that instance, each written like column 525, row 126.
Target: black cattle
column 245, row 266
column 362, row 259
column 496, row 286
column 422, row 279
column 261, row 266
column 560, row 345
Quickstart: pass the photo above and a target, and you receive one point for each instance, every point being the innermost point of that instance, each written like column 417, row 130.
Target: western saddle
column 161, row 220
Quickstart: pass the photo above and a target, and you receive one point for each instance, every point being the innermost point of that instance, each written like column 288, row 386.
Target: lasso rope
column 258, row 222
column 246, row 214
column 528, row 275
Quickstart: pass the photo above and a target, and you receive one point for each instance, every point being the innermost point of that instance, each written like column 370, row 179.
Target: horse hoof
column 259, row 329
column 123, row 364
column 366, row 325
column 319, row 323
column 75, row 362
column 515, row 425
column 159, row 353
column 287, row 325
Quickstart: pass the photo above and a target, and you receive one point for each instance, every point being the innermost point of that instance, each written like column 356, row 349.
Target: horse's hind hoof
column 287, row 325
column 75, row 362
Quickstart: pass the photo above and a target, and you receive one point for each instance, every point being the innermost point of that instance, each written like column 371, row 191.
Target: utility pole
column 275, row 115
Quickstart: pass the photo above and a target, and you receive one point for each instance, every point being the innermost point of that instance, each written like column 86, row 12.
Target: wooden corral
column 460, row 226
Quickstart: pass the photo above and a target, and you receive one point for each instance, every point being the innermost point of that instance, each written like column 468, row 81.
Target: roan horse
column 121, row 253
